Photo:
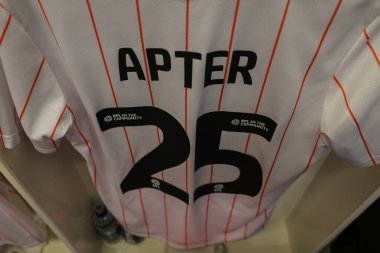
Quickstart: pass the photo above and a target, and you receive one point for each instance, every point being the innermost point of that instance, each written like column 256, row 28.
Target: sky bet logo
column 237, row 65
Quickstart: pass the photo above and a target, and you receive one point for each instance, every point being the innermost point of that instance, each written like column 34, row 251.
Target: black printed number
column 209, row 132
column 175, row 149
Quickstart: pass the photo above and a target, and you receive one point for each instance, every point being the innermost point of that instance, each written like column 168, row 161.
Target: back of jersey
column 194, row 116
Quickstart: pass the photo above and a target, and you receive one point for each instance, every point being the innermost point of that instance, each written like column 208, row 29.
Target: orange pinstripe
column 5, row 29
column 152, row 101
column 110, row 84
column 88, row 146
column 14, row 218
column 32, row 88
column 186, row 94
column 371, row 48
column 2, row 138
column 295, row 106
column 354, row 119
column 261, row 93
column 219, row 107
column 312, row 153
column 55, row 127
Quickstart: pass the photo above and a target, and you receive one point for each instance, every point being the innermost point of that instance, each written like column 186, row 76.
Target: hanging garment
column 195, row 116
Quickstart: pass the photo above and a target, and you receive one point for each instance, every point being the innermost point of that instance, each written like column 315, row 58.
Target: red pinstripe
column 371, row 48
column 165, row 211
column 187, row 207
column 5, row 29
column 88, row 147
column 32, row 88
column 55, row 127
column 7, row 238
column 12, row 191
column 186, row 93
column 207, row 207
column 229, row 217
column 143, row 51
column 113, row 94
column 152, row 101
column 219, row 106
column 123, row 212
column 101, row 52
column 258, row 103
column 229, row 53
column 107, row 72
column 144, row 214
column 272, row 55
column 2, row 138
column 296, row 104
column 1, row 42
column 47, row 20
column 14, row 218
column 354, row 119
column 312, row 153
column 269, row 67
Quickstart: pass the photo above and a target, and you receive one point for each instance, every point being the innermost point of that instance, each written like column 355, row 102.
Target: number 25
column 175, row 149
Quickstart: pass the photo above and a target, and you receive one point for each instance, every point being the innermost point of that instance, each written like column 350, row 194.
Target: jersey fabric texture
column 194, row 116
column 28, row 75
column 18, row 224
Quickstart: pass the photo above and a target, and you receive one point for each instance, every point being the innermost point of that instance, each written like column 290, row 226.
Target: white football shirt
column 194, row 116
column 18, row 224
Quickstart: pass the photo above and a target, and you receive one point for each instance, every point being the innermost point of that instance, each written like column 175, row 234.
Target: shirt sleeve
column 9, row 122
column 351, row 113
column 30, row 96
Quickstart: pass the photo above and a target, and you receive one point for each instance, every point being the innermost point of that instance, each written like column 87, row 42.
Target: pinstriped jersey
column 22, row 72
column 18, row 225
column 194, row 116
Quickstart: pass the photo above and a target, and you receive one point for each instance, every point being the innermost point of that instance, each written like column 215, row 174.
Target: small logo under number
column 108, row 118
column 235, row 122
column 155, row 183
column 218, row 187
